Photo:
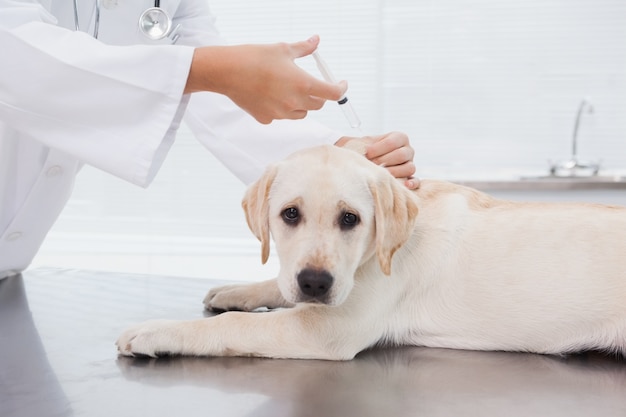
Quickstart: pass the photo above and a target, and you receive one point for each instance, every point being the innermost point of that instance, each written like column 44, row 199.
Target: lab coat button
column 53, row 171
column 13, row 236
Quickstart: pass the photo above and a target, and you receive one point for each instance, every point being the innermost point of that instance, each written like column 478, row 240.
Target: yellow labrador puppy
column 368, row 262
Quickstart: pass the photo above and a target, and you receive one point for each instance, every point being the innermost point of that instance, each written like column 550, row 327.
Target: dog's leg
column 245, row 297
column 303, row 332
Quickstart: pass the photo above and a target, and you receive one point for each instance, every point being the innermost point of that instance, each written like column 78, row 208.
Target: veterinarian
column 107, row 82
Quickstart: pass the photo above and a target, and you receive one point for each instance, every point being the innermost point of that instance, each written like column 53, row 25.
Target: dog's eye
column 348, row 220
column 291, row 215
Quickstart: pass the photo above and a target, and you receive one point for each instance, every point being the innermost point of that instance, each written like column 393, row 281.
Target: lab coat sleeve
column 114, row 107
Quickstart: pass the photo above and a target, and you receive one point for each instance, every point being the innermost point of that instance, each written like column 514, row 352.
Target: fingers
column 390, row 149
column 412, row 183
column 317, row 88
column 291, row 115
column 405, row 170
column 304, row 48
column 394, row 152
column 299, row 91
column 291, row 112
column 326, row 90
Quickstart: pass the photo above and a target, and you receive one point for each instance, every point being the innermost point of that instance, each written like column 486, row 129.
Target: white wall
column 479, row 85
column 494, row 85
column 484, row 88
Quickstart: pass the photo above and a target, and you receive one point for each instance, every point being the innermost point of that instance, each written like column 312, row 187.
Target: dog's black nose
column 314, row 283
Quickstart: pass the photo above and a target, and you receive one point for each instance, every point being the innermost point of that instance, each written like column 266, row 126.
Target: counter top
column 57, row 333
column 546, row 183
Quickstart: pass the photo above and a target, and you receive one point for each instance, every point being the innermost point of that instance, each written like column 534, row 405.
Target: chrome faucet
column 573, row 167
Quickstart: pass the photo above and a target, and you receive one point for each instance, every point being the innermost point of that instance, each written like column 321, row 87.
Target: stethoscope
column 154, row 22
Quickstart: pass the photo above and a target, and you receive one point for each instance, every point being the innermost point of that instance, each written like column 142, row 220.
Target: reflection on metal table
column 57, row 329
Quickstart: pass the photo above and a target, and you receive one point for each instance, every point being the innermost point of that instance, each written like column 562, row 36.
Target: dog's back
column 516, row 276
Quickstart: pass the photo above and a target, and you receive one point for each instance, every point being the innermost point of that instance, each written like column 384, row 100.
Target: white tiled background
column 484, row 88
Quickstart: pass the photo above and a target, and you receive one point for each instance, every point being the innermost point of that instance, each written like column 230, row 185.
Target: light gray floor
column 57, row 329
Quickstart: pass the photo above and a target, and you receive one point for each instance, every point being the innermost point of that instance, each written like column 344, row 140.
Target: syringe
column 343, row 102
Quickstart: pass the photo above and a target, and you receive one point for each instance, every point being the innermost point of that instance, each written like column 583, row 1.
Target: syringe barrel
column 350, row 114
column 345, row 105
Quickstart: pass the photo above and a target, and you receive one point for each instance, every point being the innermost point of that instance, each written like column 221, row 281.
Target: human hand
column 263, row 79
column 392, row 151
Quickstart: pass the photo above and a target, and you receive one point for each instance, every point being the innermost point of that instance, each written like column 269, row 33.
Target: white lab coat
column 67, row 99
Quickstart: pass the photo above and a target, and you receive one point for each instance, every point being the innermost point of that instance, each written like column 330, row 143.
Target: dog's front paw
column 245, row 297
column 152, row 338
column 231, row 298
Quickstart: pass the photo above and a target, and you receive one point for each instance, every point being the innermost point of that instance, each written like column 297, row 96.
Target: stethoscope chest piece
column 155, row 23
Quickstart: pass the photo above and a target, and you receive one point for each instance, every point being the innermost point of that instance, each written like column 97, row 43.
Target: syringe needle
column 343, row 102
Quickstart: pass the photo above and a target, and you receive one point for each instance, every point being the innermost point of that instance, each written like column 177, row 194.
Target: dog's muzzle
column 314, row 285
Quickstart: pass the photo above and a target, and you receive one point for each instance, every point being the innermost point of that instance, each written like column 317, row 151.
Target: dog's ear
column 256, row 208
column 394, row 216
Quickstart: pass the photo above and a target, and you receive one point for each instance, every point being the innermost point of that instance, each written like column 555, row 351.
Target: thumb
column 304, row 48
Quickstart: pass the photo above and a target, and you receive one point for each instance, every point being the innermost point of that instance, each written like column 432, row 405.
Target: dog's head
column 329, row 210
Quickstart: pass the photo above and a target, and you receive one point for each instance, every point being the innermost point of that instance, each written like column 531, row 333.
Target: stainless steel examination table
column 57, row 358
